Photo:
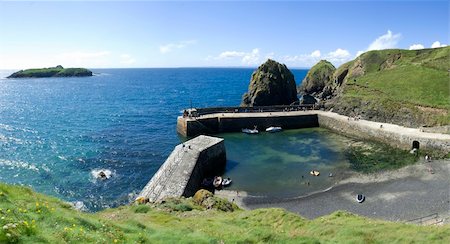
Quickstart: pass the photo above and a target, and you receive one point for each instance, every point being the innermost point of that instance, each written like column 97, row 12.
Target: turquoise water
column 279, row 164
column 54, row 132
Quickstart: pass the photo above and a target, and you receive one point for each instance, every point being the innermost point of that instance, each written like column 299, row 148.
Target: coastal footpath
column 394, row 135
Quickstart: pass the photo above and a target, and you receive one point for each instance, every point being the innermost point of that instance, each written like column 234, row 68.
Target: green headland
column 405, row 87
column 57, row 71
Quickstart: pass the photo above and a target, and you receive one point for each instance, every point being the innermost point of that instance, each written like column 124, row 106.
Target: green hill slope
column 406, row 87
column 29, row 217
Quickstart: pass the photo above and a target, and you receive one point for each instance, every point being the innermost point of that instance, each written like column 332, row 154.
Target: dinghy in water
column 274, row 129
column 360, row 198
column 249, row 131
column 226, row 182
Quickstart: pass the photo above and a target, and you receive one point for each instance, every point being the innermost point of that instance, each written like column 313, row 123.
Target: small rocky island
column 57, row 71
column 271, row 84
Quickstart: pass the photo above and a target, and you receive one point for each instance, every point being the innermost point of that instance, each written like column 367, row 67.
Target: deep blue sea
column 55, row 133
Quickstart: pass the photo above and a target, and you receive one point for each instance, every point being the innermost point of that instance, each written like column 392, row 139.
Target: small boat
column 250, row 131
column 226, row 182
column 315, row 173
column 274, row 129
column 360, row 198
column 217, row 181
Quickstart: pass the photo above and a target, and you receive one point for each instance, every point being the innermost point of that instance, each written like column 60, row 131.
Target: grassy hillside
column 29, row 217
column 409, row 87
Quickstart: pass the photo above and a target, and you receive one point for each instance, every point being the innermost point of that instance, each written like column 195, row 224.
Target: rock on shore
column 271, row 84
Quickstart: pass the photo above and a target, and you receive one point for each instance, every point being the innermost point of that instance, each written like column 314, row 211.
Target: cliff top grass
column 30, row 217
column 416, row 79
column 57, row 71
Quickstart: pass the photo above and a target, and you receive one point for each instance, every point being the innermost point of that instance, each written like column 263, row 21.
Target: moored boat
column 226, row 182
column 250, row 131
column 314, row 173
column 274, row 129
column 217, row 181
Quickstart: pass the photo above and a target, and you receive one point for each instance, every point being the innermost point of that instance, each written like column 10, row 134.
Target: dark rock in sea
column 271, row 84
column 319, row 80
column 57, row 71
column 308, row 99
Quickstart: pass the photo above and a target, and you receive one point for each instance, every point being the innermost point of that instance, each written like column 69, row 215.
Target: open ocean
column 55, row 132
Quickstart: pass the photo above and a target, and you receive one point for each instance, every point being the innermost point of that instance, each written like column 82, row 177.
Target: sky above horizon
column 115, row 34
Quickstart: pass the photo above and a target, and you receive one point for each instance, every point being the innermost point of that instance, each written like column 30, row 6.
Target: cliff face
column 406, row 87
column 57, row 71
column 271, row 84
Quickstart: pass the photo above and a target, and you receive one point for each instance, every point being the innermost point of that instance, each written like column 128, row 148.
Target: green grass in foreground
column 29, row 217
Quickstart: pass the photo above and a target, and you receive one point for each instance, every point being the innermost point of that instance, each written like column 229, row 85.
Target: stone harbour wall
column 394, row 135
column 186, row 167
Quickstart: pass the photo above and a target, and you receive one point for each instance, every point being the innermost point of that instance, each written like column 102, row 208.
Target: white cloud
column 304, row 59
column 386, row 41
column 171, row 46
column 416, row 47
column 338, row 56
column 247, row 58
column 437, row 44
column 127, row 59
column 359, row 53
column 230, row 54
column 251, row 58
column 315, row 54
column 83, row 55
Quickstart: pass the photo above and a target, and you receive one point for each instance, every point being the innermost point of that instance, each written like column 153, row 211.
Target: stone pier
column 186, row 167
column 213, row 122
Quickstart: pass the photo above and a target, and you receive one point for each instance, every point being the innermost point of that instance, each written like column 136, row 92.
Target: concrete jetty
column 184, row 170
column 210, row 121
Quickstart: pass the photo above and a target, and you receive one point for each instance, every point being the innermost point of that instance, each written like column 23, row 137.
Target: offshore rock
column 57, row 71
column 319, row 80
column 271, row 84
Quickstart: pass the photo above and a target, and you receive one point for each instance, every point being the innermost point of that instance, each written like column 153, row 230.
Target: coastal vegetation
column 30, row 217
column 57, row 71
column 405, row 87
column 370, row 157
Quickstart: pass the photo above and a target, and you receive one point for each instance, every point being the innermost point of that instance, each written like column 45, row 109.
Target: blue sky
column 210, row 33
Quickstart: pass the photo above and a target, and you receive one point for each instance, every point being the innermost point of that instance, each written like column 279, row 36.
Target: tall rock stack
column 271, row 84
column 318, row 82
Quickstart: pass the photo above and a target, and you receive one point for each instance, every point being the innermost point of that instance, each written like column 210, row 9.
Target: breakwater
column 185, row 168
column 213, row 121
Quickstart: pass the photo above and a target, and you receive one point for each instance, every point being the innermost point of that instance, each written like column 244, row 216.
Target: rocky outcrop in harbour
column 271, row 84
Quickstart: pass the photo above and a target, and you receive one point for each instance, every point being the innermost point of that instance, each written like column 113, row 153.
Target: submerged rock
column 271, row 84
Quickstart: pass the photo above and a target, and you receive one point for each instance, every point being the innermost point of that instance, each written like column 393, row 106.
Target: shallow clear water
column 279, row 164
